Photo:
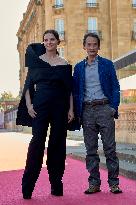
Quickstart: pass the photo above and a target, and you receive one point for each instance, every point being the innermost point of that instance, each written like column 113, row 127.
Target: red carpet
column 75, row 182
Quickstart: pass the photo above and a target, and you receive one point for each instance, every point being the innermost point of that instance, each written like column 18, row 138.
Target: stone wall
column 126, row 124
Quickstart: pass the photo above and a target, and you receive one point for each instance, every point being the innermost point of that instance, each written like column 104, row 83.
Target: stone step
column 126, row 168
column 123, row 156
column 3, row 130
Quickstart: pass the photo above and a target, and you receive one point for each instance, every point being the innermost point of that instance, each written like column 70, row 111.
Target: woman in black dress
column 46, row 99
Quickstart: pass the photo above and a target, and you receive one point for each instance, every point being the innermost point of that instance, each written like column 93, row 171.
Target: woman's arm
column 71, row 111
column 71, row 102
column 28, row 99
column 29, row 105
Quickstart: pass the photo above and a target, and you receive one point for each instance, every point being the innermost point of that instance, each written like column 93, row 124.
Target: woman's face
column 50, row 42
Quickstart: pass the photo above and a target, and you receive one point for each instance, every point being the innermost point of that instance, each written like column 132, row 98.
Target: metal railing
column 125, row 60
column 92, row 5
column 58, row 6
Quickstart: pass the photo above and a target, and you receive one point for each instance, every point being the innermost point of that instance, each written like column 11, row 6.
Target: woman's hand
column 70, row 115
column 31, row 111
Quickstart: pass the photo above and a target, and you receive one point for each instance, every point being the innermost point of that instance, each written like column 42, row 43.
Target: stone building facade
column 113, row 20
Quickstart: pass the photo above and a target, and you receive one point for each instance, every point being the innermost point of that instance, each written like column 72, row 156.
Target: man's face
column 91, row 46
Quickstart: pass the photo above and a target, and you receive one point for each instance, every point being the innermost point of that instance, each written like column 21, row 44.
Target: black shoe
column 92, row 189
column 26, row 196
column 57, row 189
column 115, row 189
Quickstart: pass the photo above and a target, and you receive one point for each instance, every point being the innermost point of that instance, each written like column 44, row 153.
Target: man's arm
column 76, row 90
column 115, row 88
column 76, row 81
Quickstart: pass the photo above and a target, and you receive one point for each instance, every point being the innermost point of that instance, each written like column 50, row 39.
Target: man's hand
column 113, row 110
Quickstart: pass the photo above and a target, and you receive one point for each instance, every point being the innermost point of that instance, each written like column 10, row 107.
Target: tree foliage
column 8, row 96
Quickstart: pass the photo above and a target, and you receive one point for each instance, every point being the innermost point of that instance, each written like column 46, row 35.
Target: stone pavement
column 12, row 151
column 11, row 143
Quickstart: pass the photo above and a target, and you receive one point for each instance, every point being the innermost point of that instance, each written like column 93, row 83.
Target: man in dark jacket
column 97, row 97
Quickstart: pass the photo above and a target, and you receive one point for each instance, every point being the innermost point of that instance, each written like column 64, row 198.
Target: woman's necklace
column 52, row 61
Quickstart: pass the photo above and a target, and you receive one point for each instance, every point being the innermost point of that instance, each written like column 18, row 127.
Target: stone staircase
column 127, row 161
column 125, row 152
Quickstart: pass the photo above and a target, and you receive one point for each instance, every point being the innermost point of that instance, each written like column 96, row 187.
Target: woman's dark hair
column 94, row 35
column 54, row 32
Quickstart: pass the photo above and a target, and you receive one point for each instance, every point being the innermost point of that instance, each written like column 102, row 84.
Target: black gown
column 40, row 72
column 50, row 88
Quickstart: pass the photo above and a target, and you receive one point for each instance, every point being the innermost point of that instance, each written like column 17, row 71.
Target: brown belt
column 97, row 102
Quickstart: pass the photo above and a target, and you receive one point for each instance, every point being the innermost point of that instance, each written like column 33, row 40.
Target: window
column 91, row 3
column 92, row 24
column 38, row 2
column 58, row 4
column 134, row 3
column 134, row 30
column 134, row 25
column 61, row 51
column 59, row 26
column 93, row 27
